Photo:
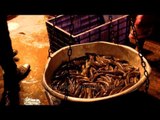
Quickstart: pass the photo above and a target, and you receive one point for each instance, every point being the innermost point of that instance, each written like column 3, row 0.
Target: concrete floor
column 30, row 38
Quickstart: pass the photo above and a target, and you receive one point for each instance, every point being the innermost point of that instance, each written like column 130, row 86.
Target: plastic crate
column 87, row 28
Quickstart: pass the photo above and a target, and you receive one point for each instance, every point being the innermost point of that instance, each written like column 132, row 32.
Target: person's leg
column 144, row 28
column 8, row 65
column 12, row 74
column 6, row 60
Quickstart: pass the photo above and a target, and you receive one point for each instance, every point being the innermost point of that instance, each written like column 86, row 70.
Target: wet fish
column 94, row 75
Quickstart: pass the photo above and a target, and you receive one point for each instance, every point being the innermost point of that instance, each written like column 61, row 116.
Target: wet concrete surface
column 30, row 38
column 152, row 54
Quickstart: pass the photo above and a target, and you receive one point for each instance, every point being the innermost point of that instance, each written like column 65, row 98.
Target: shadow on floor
column 135, row 102
column 139, row 101
column 155, row 64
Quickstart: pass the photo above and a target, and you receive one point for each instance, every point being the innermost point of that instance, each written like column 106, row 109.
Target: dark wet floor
column 30, row 38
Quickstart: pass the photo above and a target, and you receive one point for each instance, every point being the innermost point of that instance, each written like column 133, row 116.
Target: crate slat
column 87, row 28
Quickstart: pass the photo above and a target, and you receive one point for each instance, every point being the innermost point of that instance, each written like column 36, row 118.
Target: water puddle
column 31, row 101
column 31, row 42
column 12, row 26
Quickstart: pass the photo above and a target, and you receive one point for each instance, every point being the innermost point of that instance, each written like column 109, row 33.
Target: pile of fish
column 93, row 76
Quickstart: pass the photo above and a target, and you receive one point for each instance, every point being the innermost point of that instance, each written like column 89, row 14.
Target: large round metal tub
column 103, row 48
